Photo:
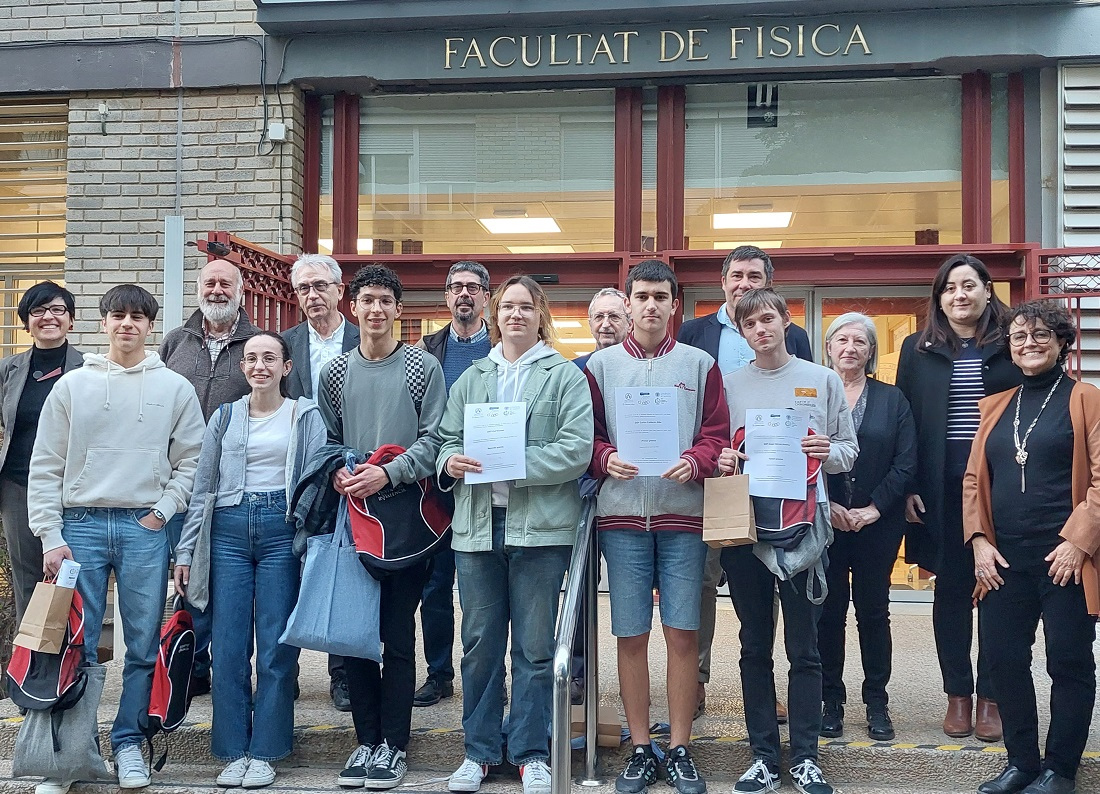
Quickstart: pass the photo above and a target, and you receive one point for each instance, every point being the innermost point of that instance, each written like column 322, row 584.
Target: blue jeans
column 201, row 620
column 104, row 539
column 437, row 617
column 254, row 579
column 517, row 585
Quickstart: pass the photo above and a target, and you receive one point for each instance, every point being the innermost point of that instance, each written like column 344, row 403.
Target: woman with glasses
column 26, row 379
column 943, row 371
column 252, row 455
column 1032, row 516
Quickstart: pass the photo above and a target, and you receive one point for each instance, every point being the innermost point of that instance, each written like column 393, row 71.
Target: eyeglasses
column 522, row 308
column 1040, row 335
column 268, row 359
column 456, row 287
column 610, row 317
column 319, row 286
column 386, row 302
column 56, row 311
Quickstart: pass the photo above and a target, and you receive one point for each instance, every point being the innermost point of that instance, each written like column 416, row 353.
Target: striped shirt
column 963, row 417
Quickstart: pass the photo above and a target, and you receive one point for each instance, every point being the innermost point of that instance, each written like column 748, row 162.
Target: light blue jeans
column 517, row 587
column 254, row 578
column 103, row 539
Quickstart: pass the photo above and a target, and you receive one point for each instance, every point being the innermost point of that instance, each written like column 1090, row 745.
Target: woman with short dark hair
column 1032, row 516
column 26, row 379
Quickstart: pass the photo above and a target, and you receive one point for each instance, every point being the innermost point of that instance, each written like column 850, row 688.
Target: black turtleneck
column 45, row 368
column 1027, row 524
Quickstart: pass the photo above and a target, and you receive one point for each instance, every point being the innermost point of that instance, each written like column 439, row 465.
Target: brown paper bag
column 728, row 519
column 46, row 619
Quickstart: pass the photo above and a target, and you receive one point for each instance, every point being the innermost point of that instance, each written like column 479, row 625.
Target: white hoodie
column 112, row 436
column 511, row 379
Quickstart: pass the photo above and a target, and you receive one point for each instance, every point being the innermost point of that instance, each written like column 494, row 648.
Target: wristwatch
column 159, row 515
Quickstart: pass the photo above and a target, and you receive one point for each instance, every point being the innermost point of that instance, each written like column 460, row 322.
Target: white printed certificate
column 773, row 443
column 495, row 435
column 647, row 431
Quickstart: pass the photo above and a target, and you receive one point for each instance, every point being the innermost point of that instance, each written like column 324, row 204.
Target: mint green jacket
column 544, row 508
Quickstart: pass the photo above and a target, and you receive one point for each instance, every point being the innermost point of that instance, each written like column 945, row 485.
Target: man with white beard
column 207, row 350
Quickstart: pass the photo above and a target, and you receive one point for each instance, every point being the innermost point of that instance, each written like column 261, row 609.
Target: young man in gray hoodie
column 114, row 460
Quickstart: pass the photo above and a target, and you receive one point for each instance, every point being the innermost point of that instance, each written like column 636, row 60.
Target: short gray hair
column 240, row 276
column 318, row 261
column 469, row 266
column 605, row 293
column 855, row 318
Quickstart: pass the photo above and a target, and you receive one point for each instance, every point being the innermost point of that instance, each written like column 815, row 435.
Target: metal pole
column 591, row 663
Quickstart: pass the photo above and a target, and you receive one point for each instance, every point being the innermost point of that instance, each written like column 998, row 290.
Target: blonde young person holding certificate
column 513, row 539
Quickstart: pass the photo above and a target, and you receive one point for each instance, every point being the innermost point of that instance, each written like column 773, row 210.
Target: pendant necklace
column 1021, row 446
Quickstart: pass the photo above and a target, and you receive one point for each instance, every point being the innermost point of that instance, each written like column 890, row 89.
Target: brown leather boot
column 960, row 715
column 987, row 726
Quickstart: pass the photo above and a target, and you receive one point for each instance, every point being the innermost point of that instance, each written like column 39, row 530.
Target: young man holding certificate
column 514, row 525
column 781, row 392
column 661, row 421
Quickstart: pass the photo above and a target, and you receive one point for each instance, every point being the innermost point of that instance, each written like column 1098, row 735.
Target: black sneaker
column 832, row 719
column 354, row 772
column 641, row 771
column 681, row 772
column 200, row 685
column 808, row 779
column 387, row 768
column 879, row 725
column 761, row 776
column 338, row 689
column 432, row 692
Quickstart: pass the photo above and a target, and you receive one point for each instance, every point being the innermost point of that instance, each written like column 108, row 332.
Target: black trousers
column 1010, row 616
column 381, row 695
column 752, row 588
column 953, row 606
column 868, row 558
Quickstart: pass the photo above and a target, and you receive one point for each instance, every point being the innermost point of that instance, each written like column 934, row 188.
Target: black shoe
column 832, row 719
column 1050, row 783
column 681, row 772
column 432, row 692
column 761, row 776
column 576, row 691
column 879, row 725
column 338, row 689
column 1010, row 781
column 641, row 771
column 354, row 773
column 200, row 685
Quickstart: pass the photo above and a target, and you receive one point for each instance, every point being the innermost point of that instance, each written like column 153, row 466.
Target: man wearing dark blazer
column 746, row 267
column 319, row 284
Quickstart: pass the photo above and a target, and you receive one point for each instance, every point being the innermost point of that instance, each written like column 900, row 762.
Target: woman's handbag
column 338, row 602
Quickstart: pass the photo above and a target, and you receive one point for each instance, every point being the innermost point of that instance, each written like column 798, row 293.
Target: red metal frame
column 268, row 297
column 671, row 127
column 311, row 187
column 1017, row 164
column 345, row 175
column 1069, row 274
column 628, row 168
column 977, row 159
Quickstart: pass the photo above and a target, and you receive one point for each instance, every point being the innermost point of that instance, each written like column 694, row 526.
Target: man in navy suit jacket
column 747, row 267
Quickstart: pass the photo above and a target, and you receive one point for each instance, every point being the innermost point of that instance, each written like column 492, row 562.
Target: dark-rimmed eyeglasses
column 456, row 287
column 56, row 311
column 319, row 286
column 1040, row 335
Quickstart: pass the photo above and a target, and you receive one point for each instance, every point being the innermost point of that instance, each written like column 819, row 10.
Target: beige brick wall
column 122, row 184
column 50, row 20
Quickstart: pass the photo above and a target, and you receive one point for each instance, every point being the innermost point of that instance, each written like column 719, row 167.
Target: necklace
column 1021, row 446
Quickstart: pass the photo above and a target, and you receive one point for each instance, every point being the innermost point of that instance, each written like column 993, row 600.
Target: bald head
column 219, row 284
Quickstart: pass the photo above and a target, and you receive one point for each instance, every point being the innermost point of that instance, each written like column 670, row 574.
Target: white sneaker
column 130, row 764
column 467, row 777
column 54, row 786
column 536, row 777
column 233, row 773
column 260, row 774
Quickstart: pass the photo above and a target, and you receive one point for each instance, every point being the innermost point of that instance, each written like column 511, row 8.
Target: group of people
column 136, row 458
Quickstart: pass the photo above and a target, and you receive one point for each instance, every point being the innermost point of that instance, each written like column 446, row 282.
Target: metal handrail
column 583, row 572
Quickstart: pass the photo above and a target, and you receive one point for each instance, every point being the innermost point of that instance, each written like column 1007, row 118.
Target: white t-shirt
column 268, row 443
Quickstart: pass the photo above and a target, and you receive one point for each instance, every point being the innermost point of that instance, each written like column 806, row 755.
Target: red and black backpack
column 170, row 697
column 40, row 681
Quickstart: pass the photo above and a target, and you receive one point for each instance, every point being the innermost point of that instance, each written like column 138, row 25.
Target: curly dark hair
column 375, row 276
column 1050, row 313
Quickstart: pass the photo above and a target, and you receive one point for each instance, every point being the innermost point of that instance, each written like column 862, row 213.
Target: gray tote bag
column 338, row 602
column 77, row 734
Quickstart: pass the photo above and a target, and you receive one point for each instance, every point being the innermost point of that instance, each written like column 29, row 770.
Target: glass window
column 520, row 173
column 999, row 187
column 856, row 163
column 324, row 225
column 649, row 173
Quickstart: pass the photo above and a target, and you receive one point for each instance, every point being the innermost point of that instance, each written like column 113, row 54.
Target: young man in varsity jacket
column 650, row 528
column 375, row 407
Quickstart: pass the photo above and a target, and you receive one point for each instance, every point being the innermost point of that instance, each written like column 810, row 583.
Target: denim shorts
column 639, row 561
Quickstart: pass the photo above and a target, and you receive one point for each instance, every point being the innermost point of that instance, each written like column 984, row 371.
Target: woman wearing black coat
column 959, row 358
column 867, row 505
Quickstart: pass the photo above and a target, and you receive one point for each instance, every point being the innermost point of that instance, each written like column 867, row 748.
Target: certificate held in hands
column 647, row 430
column 495, row 435
column 776, row 464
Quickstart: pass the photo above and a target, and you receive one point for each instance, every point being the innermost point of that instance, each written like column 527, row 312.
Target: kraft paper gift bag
column 728, row 518
column 46, row 619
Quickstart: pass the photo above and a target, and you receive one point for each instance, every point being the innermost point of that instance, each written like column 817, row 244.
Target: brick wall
column 50, row 20
column 122, row 184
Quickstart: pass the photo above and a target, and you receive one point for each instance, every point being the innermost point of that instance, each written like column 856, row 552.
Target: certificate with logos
column 647, row 429
column 773, row 443
column 495, row 435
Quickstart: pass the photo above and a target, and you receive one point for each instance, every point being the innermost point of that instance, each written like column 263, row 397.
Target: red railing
column 268, row 297
column 1069, row 274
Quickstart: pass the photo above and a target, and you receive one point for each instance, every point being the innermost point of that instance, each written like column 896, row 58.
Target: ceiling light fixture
column 541, row 249
column 730, row 245
column 519, row 225
column 751, row 220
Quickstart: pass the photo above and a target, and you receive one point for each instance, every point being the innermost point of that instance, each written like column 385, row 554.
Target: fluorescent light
column 541, row 249
column 365, row 245
column 519, row 225
column 326, row 244
column 567, row 324
column 751, row 220
column 765, row 244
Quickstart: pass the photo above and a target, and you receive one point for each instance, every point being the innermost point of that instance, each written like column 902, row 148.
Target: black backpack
column 170, row 697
